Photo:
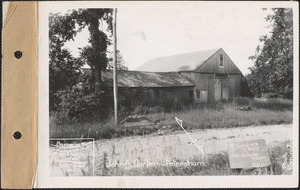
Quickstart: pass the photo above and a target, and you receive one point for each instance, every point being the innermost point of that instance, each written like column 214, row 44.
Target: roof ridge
column 161, row 72
column 185, row 61
column 216, row 49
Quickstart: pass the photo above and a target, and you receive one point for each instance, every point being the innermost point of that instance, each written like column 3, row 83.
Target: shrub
column 76, row 106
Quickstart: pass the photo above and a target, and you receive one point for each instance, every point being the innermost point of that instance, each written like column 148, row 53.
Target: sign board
column 248, row 154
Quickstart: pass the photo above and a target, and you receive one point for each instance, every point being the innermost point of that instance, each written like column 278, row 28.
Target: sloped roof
column 181, row 62
column 144, row 79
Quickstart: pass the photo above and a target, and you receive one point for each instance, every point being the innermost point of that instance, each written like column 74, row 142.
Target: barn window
column 221, row 61
column 198, row 93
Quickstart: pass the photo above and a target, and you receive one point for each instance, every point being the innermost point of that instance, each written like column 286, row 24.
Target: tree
column 273, row 61
column 95, row 53
column 64, row 69
column 120, row 62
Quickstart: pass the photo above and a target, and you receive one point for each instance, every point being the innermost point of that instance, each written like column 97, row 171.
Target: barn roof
column 181, row 62
column 145, row 79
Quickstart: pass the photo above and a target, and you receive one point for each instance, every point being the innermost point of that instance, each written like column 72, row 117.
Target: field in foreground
column 152, row 155
column 200, row 116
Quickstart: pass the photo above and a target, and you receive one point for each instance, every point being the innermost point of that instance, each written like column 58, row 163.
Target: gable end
column 212, row 64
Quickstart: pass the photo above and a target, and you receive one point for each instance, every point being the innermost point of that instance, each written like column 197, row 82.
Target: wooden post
column 115, row 65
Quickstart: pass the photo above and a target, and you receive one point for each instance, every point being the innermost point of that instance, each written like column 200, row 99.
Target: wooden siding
column 212, row 65
column 175, row 95
column 235, row 85
column 155, row 96
column 229, row 87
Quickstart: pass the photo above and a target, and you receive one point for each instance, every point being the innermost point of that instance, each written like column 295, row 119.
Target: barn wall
column 175, row 94
column 224, row 88
column 154, row 96
column 235, row 85
column 212, row 65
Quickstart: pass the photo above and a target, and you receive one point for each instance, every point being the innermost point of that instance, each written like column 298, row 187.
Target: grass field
column 197, row 116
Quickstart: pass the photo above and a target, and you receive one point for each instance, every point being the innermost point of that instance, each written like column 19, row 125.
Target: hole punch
column 18, row 54
column 17, row 135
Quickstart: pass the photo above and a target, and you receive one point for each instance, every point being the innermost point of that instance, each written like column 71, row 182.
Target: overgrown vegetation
column 82, row 106
column 74, row 96
column 196, row 116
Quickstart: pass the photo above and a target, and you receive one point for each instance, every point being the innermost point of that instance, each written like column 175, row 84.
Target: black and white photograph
column 169, row 89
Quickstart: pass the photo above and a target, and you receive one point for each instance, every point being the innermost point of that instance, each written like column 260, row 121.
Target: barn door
column 225, row 89
column 218, row 90
column 221, row 89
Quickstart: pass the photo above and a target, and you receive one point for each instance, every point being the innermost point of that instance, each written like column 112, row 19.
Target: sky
column 146, row 32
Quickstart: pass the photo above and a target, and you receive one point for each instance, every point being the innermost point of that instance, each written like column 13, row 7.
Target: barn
column 202, row 76
column 213, row 73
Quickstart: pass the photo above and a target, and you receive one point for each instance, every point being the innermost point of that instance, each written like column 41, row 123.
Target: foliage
column 64, row 69
column 65, row 27
column 95, row 54
column 273, row 62
column 120, row 62
column 79, row 104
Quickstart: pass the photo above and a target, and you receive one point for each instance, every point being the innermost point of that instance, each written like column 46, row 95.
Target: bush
column 76, row 106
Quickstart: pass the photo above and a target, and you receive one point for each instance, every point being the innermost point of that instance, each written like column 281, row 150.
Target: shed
column 149, row 87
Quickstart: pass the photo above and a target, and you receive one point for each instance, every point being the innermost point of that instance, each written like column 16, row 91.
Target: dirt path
column 88, row 158
column 179, row 145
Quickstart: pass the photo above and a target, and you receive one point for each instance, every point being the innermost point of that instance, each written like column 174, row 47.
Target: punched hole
column 18, row 54
column 17, row 135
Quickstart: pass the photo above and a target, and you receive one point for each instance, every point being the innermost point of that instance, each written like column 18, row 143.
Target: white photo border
column 43, row 178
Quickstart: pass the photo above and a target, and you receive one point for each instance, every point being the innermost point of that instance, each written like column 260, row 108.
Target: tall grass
column 196, row 116
column 208, row 118
column 228, row 114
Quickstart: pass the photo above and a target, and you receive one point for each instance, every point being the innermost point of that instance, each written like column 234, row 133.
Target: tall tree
column 94, row 54
column 64, row 69
column 273, row 61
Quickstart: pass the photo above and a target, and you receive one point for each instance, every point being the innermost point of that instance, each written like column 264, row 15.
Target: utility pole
column 115, row 65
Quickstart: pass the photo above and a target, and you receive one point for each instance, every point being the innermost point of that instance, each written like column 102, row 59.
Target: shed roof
column 145, row 79
column 180, row 62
